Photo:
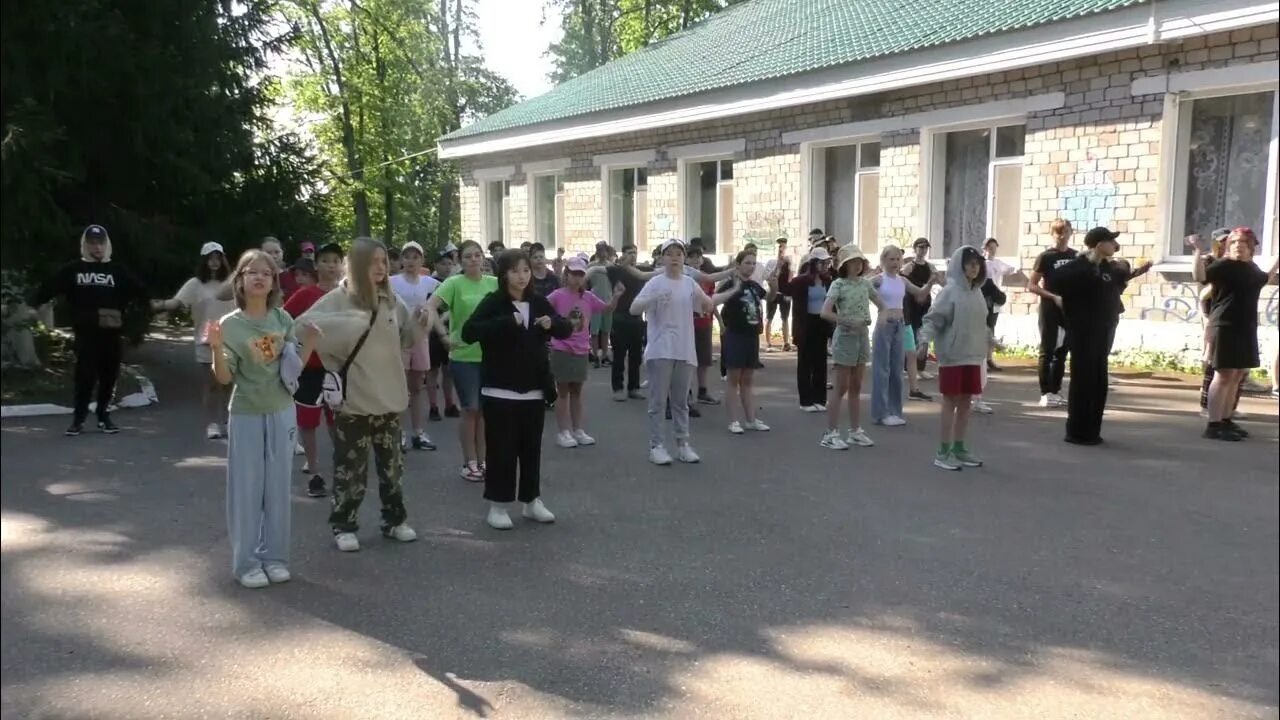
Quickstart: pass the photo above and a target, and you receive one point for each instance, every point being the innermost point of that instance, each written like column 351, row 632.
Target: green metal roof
column 763, row 39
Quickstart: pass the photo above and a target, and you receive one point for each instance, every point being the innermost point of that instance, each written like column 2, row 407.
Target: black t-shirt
column 741, row 313
column 89, row 287
column 1049, row 262
column 546, row 285
column 914, row 309
column 1236, row 287
column 632, row 285
column 1091, row 293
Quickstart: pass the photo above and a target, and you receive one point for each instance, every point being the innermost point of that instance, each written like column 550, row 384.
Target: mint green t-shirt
column 252, row 348
column 462, row 295
column 852, row 301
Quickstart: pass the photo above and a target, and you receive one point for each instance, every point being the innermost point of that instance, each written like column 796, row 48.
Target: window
column 981, row 187
column 1226, row 158
column 497, row 211
column 845, row 193
column 548, row 210
column 708, row 210
column 628, row 207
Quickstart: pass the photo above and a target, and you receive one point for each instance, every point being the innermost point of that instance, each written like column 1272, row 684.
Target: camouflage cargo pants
column 353, row 436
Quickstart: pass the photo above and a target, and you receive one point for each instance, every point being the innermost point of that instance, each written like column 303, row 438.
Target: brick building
column 881, row 121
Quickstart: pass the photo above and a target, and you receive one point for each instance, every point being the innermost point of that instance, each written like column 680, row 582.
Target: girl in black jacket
column 512, row 325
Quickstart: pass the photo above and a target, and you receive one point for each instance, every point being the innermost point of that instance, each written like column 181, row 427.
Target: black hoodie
column 90, row 286
column 515, row 357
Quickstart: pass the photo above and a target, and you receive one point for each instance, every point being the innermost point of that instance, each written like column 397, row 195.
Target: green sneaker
column 966, row 458
column 946, row 461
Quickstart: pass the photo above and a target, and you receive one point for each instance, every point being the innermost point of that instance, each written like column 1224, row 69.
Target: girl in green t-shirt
column 253, row 351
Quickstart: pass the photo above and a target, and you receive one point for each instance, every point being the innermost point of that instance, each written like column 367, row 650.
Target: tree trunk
column 451, row 40
column 355, row 168
column 648, row 25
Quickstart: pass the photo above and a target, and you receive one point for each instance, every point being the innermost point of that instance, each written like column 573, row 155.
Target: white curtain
column 1227, row 167
column 964, row 210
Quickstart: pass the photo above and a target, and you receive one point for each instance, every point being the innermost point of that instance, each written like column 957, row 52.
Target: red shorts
column 960, row 380
column 309, row 415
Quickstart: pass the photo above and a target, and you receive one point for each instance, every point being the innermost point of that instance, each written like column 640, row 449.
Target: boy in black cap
column 1090, row 286
column 98, row 290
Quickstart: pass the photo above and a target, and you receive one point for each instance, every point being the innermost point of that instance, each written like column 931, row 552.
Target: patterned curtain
column 964, row 209
column 1227, row 167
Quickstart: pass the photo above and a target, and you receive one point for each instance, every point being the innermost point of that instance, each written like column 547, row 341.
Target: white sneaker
column 498, row 518
column 926, row 375
column 735, row 427
column 306, row 468
column 565, row 439
column 1204, row 413
column 347, row 542
column 213, row 432
column 401, row 532
column 659, row 455
column 893, row 421
column 1046, row 400
column 404, row 442
column 1058, row 400
column 819, row 407
column 254, row 579
column 831, row 440
column 860, row 438
column 757, row 425
column 538, row 512
column 982, row 408
column 278, row 573
column 809, row 408
column 583, row 438
column 298, row 449
column 686, row 454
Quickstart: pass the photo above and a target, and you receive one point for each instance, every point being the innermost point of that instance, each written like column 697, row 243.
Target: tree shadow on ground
column 768, row 573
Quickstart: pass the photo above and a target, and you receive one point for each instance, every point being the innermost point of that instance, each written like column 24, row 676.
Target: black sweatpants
column 627, row 341
column 98, row 354
column 513, row 443
column 1053, row 359
column 811, row 361
column 1087, row 397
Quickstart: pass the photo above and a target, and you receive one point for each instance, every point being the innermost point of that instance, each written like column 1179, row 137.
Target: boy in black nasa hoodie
column 97, row 290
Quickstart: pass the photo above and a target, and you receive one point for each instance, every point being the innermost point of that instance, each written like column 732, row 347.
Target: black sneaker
column 920, row 395
column 106, row 426
column 315, row 488
column 75, row 428
column 451, row 411
column 1233, row 427
column 694, row 412
column 606, row 361
column 422, row 442
column 706, row 399
column 434, row 414
column 1218, row 431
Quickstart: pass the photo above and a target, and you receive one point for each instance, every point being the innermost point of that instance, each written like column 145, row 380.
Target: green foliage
column 383, row 79
column 597, row 31
column 149, row 118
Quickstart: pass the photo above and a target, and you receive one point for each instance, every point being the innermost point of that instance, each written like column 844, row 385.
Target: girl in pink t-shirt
column 569, row 357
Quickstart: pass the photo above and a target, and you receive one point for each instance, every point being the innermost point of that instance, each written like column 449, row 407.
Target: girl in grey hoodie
column 957, row 326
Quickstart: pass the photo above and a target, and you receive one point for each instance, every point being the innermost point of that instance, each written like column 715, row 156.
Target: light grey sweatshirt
column 957, row 322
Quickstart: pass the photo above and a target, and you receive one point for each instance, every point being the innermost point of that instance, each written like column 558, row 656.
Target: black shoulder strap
column 356, row 350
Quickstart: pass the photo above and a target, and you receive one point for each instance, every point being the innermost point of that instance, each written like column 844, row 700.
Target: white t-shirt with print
column 670, row 318
column 414, row 294
column 202, row 299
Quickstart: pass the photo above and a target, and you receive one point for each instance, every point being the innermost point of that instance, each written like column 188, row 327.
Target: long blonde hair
column 247, row 259
column 363, row 293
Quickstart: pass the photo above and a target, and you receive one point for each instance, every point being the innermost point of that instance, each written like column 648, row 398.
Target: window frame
column 683, row 164
column 640, row 219
column 557, row 204
column 813, row 160
column 933, row 159
column 504, row 212
column 1175, row 160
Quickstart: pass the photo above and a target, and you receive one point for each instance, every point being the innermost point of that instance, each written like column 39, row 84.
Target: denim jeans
column 886, row 369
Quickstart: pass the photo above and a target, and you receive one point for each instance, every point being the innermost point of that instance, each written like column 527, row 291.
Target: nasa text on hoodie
column 89, row 287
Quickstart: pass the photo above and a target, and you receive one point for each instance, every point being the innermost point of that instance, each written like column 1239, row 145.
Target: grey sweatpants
column 668, row 379
column 259, row 469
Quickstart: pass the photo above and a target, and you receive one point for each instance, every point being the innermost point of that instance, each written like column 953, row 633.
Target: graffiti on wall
column 1182, row 305
column 1091, row 199
column 763, row 228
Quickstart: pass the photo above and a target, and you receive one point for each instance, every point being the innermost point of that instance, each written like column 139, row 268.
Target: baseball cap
column 210, row 248
column 1099, row 234
column 331, row 247
column 450, row 248
column 672, row 242
column 306, row 265
column 97, row 233
column 576, row 265
column 308, row 246
column 412, row 245
column 819, row 253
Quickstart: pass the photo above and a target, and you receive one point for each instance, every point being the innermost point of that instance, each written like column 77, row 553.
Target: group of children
column 357, row 340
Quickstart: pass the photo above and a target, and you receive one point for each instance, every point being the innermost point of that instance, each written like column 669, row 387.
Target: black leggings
column 1053, row 359
column 627, row 341
column 811, row 361
column 513, row 444
column 1087, row 397
column 98, row 355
